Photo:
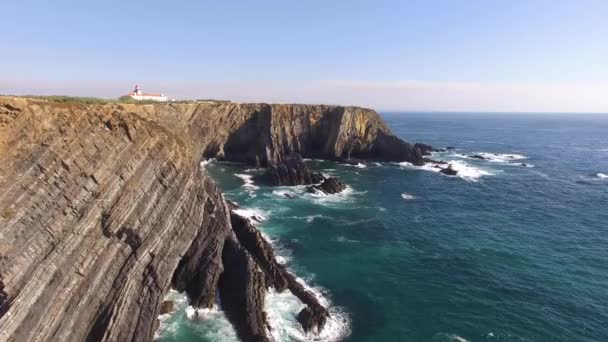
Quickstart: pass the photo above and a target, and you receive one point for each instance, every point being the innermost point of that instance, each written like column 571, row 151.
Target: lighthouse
column 137, row 95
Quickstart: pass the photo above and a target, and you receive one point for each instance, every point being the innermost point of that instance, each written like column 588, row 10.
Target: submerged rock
column 329, row 186
column 478, row 156
column 167, row 307
column 424, row 149
column 449, row 171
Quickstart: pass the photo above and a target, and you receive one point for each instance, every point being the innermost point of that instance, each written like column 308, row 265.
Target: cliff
column 104, row 207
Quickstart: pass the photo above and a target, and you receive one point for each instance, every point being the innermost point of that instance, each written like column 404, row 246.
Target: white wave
column 283, row 308
column 468, row 172
column 492, row 157
column 377, row 164
column 449, row 338
column 425, row 167
column 311, row 218
column 206, row 162
column 358, row 165
column 249, row 185
column 284, row 193
column 320, row 197
column 601, row 175
column 407, row 196
column 465, row 171
column 210, row 324
column 253, row 214
column 345, row 239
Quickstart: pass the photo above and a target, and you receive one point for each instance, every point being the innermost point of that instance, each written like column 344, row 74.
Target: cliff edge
column 104, row 207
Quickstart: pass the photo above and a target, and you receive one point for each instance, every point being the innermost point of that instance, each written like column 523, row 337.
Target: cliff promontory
column 104, row 208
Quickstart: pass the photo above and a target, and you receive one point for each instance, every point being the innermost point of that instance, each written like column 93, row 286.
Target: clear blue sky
column 387, row 54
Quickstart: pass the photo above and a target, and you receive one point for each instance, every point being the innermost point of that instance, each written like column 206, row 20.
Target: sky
column 433, row 55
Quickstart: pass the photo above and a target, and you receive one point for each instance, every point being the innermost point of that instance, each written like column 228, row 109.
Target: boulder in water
column 449, row 171
column 167, row 307
column 478, row 156
column 329, row 186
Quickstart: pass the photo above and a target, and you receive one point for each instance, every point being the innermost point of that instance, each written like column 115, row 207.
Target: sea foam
column 601, row 175
column 247, row 180
column 407, row 196
column 465, row 171
column 283, row 308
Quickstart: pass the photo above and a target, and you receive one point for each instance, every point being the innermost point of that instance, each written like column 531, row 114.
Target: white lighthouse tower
column 136, row 94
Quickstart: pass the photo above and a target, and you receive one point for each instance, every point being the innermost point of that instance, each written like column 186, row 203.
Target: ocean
column 514, row 248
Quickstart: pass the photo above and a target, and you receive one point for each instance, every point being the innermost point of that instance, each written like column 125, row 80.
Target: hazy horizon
column 515, row 56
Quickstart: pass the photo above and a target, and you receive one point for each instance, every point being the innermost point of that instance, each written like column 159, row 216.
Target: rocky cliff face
column 103, row 208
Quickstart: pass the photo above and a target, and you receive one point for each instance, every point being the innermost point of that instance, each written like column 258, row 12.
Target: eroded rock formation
column 292, row 170
column 329, row 186
column 103, row 208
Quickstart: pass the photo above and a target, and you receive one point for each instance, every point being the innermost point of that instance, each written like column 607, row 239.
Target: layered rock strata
column 103, row 208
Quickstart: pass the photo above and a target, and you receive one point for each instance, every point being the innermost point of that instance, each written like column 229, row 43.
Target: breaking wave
column 206, row 162
column 407, row 196
column 282, row 309
column 210, row 324
column 465, row 171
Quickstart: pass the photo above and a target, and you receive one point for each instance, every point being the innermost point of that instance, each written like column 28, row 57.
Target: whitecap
column 465, row 171
column 449, row 338
column 255, row 215
column 496, row 157
column 248, row 184
column 601, row 175
column 377, row 164
column 358, row 165
column 206, row 162
column 469, row 172
column 283, row 308
column 320, row 197
column 345, row 239
column 311, row 218
column 211, row 323
column 284, row 193
column 407, row 196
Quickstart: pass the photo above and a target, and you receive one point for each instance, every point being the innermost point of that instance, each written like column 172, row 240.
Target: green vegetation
column 86, row 100
column 70, row 99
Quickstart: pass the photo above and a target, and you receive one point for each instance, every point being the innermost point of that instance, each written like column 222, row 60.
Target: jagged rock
column 424, row 149
column 277, row 274
column 242, row 289
column 104, row 207
column 478, row 156
column 167, row 307
column 330, row 186
column 449, row 171
column 292, row 171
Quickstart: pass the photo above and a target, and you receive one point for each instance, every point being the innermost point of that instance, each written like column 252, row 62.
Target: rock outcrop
column 448, row 171
column 292, row 170
column 329, row 186
column 103, row 208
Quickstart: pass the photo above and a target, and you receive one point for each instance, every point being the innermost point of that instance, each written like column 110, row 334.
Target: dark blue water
column 502, row 252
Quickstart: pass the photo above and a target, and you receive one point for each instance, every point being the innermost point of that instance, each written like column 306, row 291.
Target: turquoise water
column 503, row 253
